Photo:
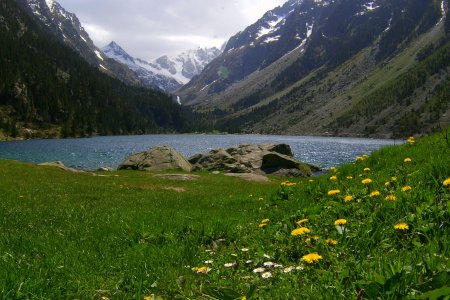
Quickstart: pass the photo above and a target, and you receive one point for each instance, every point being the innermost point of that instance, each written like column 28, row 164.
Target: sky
column 149, row 29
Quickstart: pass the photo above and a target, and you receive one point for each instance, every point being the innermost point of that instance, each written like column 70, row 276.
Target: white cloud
column 151, row 28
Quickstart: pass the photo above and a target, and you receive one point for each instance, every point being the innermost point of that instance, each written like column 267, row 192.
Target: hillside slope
column 351, row 54
column 47, row 89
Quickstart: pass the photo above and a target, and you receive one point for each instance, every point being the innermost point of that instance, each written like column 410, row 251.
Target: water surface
column 91, row 153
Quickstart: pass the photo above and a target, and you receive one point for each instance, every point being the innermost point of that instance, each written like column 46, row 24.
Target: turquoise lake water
column 91, row 153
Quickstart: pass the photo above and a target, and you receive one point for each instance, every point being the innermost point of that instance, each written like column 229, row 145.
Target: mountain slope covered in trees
column 47, row 89
column 372, row 68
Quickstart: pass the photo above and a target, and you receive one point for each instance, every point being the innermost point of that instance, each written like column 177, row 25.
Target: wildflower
column 311, row 258
column 266, row 275
column 366, row 181
column 330, row 242
column 249, row 261
column 201, row 270
column 244, row 298
column 312, row 239
column 365, row 156
column 277, row 266
column 387, row 184
column 340, row 222
column 333, row 192
column 360, row 158
column 268, row 264
column 262, row 225
column 266, row 256
column 230, row 265
column 208, row 262
column 265, row 221
column 446, row 182
column 333, row 169
column 410, row 140
column 302, row 222
column 288, row 184
column 349, row 177
column 259, row 270
column 300, row 231
column 288, row 269
column 348, row 198
column 406, row 188
column 333, row 177
column 245, row 249
column 390, row 198
column 374, row 194
column 407, row 160
column 394, row 178
column 366, row 169
column 401, row 227
column 311, row 181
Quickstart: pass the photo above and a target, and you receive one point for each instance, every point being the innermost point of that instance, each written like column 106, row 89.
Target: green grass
column 129, row 235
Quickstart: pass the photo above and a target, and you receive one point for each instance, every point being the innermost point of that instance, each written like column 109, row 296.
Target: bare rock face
column 158, row 158
column 276, row 159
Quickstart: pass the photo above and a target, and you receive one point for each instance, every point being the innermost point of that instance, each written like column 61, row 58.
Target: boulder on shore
column 274, row 159
column 158, row 158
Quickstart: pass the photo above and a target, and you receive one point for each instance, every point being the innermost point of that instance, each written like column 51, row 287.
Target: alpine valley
column 313, row 67
column 332, row 67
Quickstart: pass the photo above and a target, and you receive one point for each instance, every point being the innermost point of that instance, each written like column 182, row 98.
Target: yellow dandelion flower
column 311, row 258
column 366, row 169
column 288, row 184
column 365, row 155
column 311, row 180
column 387, row 184
column 394, row 178
column 406, row 188
column 407, row 160
column 333, row 178
column 330, row 242
column 312, row 239
column 300, row 231
column 411, row 140
column 333, row 169
column 390, row 198
column 349, row 177
column 340, row 222
column 375, row 194
column 302, row 221
column 360, row 158
column 262, row 225
column 265, row 221
column 333, row 192
column 366, row 181
column 201, row 270
column 401, row 227
column 446, row 182
column 348, row 198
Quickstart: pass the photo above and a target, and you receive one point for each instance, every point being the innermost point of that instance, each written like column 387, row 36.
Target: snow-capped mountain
column 68, row 29
column 167, row 73
column 318, row 33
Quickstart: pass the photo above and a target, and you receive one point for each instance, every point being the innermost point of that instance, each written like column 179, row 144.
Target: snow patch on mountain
column 166, row 72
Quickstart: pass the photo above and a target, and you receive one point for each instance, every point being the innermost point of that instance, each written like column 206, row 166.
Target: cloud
column 151, row 28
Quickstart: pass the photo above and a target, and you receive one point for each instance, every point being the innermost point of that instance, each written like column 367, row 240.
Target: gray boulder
column 158, row 158
column 276, row 159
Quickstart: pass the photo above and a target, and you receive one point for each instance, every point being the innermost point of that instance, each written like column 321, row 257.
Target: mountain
column 67, row 28
column 48, row 90
column 318, row 67
column 166, row 73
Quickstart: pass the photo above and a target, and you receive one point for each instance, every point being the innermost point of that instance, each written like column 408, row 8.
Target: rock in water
column 158, row 158
column 276, row 159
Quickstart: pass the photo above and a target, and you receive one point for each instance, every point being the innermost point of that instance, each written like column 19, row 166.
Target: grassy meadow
column 377, row 228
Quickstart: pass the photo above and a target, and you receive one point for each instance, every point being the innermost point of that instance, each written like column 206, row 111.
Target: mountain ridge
column 168, row 73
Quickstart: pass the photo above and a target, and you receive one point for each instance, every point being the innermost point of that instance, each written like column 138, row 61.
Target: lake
column 95, row 152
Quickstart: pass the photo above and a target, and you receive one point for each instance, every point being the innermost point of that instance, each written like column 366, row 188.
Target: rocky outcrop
column 59, row 165
column 275, row 159
column 158, row 158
